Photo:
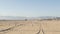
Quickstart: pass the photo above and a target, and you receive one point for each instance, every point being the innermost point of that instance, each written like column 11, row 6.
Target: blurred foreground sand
column 30, row 27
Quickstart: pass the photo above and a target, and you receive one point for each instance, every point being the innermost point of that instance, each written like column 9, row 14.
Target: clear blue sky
column 30, row 8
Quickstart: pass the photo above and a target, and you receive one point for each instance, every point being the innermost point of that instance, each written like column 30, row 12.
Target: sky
column 30, row 8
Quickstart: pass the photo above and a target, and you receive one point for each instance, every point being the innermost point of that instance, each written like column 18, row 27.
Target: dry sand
column 30, row 27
